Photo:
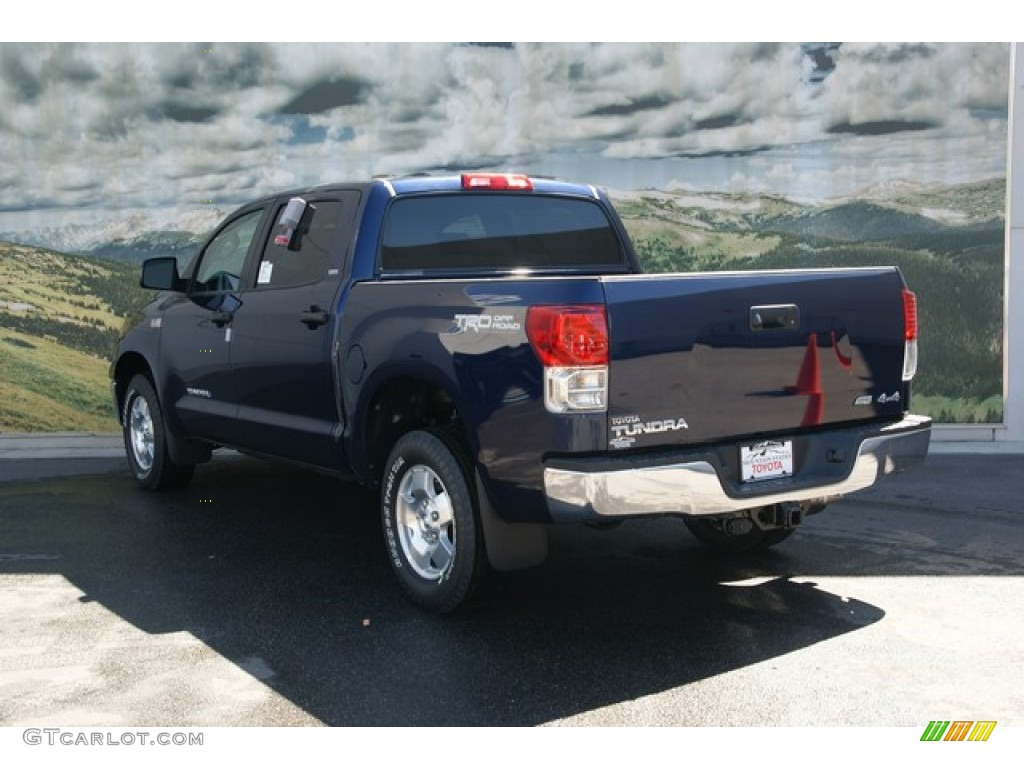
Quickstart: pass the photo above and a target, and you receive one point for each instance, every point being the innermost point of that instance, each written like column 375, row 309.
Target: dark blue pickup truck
column 484, row 350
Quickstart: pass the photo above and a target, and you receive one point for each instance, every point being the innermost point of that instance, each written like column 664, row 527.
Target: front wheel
column 145, row 440
column 430, row 520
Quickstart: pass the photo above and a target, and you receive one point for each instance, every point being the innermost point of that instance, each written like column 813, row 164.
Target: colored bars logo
column 958, row 730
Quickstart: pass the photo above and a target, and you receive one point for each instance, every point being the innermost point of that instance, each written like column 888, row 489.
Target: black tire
column 145, row 440
column 431, row 522
column 712, row 534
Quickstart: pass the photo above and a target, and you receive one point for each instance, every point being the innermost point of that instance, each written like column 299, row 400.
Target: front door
column 196, row 333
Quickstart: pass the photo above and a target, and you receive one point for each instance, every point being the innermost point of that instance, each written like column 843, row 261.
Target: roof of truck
column 416, row 183
column 457, row 182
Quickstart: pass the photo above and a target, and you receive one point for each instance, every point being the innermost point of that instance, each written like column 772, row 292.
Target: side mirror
column 294, row 223
column 161, row 274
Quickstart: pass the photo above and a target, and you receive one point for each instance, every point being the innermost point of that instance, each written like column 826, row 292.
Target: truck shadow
column 260, row 562
column 263, row 562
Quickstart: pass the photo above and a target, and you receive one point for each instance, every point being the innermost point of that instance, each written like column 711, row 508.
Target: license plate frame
column 766, row 460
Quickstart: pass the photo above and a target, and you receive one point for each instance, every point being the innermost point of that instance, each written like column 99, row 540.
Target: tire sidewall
column 140, row 388
column 163, row 474
column 453, row 587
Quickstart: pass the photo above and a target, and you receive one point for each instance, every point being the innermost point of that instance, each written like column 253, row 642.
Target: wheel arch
column 127, row 366
column 181, row 449
column 398, row 401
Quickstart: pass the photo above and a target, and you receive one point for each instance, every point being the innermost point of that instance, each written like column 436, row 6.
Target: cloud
column 130, row 126
column 631, row 107
column 21, row 82
column 185, row 113
column 882, row 127
column 901, row 82
column 326, row 95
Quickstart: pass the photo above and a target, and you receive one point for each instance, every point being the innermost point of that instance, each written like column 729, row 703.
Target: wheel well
column 400, row 406
column 128, row 366
column 183, row 450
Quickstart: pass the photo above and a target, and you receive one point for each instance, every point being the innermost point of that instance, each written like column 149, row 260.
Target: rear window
column 496, row 231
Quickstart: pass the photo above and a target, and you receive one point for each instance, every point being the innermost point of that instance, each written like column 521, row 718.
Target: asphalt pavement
column 260, row 595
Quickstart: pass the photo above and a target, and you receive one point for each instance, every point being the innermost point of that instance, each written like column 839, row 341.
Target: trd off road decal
column 487, row 323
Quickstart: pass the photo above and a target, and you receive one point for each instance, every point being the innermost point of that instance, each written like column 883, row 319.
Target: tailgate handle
column 774, row 317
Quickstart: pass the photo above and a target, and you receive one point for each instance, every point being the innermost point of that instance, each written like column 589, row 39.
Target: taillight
column 909, row 315
column 569, row 335
column 571, row 343
column 496, row 181
column 909, row 334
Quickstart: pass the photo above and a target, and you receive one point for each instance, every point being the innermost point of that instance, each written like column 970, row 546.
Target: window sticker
column 266, row 270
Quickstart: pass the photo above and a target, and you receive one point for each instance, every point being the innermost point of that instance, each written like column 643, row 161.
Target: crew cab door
column 282, row 352
column 196, row 332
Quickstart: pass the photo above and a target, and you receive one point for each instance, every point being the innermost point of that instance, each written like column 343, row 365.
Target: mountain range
column 131, row 237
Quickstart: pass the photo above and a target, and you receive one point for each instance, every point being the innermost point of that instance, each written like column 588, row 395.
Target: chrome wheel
column 145, row 440
column 140, row 427
column 426, row 522
column 427, row 509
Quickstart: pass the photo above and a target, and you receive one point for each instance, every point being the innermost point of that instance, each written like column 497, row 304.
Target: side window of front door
column 221, row 263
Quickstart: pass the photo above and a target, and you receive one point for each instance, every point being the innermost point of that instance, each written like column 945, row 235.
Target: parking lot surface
column 261, row 595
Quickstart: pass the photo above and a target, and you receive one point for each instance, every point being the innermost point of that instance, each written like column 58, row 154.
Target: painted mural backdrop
column 719, row 156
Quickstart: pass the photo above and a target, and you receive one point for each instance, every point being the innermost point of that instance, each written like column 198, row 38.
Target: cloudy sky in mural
column 94, row 129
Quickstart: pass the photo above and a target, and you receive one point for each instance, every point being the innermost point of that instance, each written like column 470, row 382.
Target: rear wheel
column 430, row 518
column 145, row 440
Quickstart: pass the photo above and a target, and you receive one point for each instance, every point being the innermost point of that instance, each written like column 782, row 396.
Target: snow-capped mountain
column 130, row 237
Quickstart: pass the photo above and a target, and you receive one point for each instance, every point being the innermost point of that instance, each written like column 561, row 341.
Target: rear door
column 281, row 350
column 706, row 357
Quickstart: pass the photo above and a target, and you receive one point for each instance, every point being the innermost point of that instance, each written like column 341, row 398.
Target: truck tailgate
column 705, row 357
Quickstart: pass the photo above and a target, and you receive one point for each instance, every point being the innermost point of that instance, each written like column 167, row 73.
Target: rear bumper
column 704, row 481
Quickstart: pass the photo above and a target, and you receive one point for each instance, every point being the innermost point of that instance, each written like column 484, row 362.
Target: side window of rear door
column 281, row 268
column 223, row 260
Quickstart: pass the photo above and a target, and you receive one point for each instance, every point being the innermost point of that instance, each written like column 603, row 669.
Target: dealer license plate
column 763, row 461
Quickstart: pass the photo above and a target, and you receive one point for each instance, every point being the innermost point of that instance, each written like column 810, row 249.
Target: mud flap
column 510, row 547
column 186, row 451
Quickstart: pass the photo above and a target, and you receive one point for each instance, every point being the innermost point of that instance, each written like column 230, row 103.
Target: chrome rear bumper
column 696, row 483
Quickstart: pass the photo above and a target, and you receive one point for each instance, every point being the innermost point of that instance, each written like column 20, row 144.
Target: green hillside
column 59, row 320
column 855, row 222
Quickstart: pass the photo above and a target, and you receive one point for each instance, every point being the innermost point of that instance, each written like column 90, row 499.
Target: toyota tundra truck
column 485, row 350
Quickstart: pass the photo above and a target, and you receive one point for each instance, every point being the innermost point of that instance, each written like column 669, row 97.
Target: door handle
column 220, row 319
column 313, row 317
